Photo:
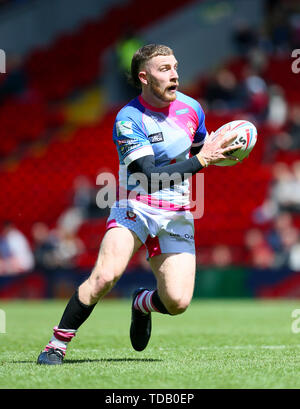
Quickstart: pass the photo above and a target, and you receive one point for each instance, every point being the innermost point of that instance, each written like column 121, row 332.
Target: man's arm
column 197, row 146
column 195, row 149
column 167, row 175
column 212, row 151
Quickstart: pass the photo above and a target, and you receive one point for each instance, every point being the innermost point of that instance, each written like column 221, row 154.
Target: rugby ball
column 246, row 134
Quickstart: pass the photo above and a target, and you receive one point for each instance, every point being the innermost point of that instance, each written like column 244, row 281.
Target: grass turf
column 214, row 344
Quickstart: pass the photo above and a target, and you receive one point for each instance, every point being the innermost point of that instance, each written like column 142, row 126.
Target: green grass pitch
column 214, row 344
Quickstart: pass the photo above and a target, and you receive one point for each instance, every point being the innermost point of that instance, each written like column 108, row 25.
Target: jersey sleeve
column 130, row 139
column 201, row 131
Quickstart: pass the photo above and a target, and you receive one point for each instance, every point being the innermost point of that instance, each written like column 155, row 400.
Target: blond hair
column 144, row 54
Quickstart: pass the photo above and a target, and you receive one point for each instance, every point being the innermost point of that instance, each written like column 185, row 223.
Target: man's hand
column 215, row 147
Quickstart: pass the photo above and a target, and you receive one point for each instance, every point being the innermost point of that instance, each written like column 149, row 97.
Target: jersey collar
column 152, row 108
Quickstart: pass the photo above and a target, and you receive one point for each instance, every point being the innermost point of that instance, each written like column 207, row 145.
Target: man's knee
column 176, row 306
column 102, row 281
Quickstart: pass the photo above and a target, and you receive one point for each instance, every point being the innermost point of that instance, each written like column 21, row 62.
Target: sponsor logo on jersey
column 124, row 128
column 125, row 149
column 156, row 137
column 128, row 141
column 190, row 125
column 130, row 215
column 182, row 236
column 182, row 111
column 175, row 235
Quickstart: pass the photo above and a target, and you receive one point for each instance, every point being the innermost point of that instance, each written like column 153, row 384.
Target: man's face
column 162, row 78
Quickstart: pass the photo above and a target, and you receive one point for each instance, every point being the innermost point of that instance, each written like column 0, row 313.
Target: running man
column 154, row 135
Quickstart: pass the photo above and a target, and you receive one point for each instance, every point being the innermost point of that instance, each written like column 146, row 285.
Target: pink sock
column 60, row 339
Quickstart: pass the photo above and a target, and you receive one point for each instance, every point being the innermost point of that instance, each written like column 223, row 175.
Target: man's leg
column 118, row 246
column 175, row 274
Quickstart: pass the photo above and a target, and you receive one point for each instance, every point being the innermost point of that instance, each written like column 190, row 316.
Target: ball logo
column 242, row 139
column 246, row 136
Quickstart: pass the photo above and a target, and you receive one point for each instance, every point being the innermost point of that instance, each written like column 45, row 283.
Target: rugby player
column 161, row 141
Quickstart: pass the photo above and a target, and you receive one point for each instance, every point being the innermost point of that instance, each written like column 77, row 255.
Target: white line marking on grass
column 201, row 348
column 249, row 347
column 276, row 346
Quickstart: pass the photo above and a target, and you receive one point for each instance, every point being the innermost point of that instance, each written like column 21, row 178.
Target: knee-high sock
column 75, row 313
column 73, row 317
column 149, row 301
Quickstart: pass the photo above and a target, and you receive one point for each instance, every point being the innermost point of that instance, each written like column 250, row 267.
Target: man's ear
column 143, row 77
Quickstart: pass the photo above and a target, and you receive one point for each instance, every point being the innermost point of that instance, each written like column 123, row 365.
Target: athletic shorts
column 161, row 231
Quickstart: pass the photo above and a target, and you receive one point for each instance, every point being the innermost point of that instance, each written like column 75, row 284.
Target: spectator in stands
column 71, row 219
column 57, row 248
column 294, row 127
column 289, row 239
column 260, row 254
column 289, row 139
column 84, row 197
column 69, row 247
column 244, row 37
column 257, row 98
column 294, row 21
column 45, row 245
column 223, row 92
column 277, row 108
column 7, row 262
column 283, row 238
column 19, row 257
column 83, row 207
column 282, row 222
column 83, row 193
column 294, row 256
column 257, row 60
column 221, row 256
column 279, row 27
column 285, row 192
column 264, row 42
column 296, row 197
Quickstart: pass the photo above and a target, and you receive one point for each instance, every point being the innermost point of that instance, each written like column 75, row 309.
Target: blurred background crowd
column 58, row 101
